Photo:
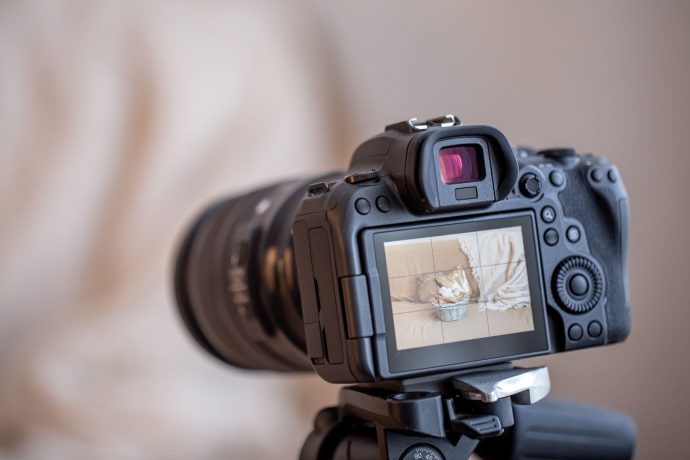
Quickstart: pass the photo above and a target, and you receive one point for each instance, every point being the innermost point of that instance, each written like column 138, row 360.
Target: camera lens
column 235, row 281
column 460, row 164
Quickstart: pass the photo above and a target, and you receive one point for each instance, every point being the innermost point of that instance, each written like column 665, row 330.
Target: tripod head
column 493, row 411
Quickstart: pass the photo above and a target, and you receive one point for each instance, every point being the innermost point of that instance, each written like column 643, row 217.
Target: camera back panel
column 567, row 213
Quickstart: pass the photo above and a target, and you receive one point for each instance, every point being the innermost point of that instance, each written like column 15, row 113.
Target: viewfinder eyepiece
column 461, row 164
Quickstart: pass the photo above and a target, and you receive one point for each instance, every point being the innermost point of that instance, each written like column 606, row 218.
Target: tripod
column 494, row 411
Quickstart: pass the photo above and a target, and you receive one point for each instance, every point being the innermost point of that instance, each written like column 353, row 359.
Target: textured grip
column 603, row 207
column 563, row 430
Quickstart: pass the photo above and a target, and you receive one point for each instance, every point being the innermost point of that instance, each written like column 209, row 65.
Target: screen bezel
column 469, row 352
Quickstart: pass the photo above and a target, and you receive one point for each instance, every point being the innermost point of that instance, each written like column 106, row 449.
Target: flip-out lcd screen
column 470, row 287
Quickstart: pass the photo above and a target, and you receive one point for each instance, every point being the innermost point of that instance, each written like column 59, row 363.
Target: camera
column 441, row 248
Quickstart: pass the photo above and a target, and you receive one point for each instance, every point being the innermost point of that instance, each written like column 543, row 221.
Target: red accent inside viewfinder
column 460, row 164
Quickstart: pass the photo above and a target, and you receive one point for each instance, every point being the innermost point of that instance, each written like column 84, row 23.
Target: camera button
column 575, row 332
column 597, row 175
column 551, row 237
column 363, row 206
column 573, row 234
column 548, row 214
column 557, row 178
column 383, row 204
column 578, row 285
column 594, row 329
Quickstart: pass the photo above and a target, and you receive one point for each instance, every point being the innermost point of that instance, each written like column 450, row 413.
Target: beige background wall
column 119, row 120
column 609, row 77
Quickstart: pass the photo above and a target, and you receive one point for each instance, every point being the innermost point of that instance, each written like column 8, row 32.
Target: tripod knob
column 422, row 452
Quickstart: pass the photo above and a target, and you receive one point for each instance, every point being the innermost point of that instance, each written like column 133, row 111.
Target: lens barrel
column 235, row 280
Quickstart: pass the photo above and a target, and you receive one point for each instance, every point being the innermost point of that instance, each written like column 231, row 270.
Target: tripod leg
column 359, row 444
column 569, row 431
column 337, row 439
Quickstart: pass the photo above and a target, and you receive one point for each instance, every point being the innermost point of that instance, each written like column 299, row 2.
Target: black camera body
column 441, row 255
column 443, row 248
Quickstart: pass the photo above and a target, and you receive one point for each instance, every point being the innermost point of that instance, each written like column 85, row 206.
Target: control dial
column 578, row 284
column 530, row 185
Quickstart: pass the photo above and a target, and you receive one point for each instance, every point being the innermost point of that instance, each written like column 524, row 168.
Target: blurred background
column 119, row 121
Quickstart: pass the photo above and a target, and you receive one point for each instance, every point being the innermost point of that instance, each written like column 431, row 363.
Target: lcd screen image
column 458, row 287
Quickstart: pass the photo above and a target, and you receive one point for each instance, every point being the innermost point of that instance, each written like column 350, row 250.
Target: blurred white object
column 118, row 122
